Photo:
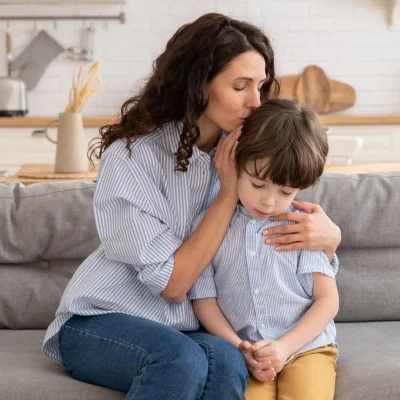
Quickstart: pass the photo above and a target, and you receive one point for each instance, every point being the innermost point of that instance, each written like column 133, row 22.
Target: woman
column 124, row 321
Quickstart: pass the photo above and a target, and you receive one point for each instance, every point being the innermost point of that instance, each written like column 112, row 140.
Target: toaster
column 13, row 101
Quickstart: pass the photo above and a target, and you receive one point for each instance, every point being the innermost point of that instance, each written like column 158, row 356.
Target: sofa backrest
column 367, row 209
column 47, row 229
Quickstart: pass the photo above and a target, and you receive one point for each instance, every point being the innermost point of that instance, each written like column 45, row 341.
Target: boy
column 282, row 303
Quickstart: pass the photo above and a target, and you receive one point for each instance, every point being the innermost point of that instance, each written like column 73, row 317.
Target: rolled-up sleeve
column 204, row 286
column 130, row 223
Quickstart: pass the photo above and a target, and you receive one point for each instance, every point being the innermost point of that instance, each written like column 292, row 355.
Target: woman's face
column 235, row 92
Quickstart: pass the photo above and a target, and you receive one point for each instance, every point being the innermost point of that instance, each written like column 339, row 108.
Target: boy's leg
column 261, row 390
column 309, row 376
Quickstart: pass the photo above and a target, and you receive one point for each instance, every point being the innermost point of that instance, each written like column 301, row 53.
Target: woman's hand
column 224, row 161
column 312, row 231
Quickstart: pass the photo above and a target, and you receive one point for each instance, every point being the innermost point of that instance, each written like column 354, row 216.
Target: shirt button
column 262, row 325
column 203, row 172
column 257, row 291
column 252, row 253
column 253, row 221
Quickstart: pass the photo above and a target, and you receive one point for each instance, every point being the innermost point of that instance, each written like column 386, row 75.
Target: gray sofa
column 46, row 230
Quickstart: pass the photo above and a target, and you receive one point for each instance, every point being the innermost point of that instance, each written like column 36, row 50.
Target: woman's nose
column 254, row 100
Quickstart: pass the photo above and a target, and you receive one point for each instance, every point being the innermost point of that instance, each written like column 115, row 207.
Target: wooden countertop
column 43, row 121
column 93, row 121
column 30, row 170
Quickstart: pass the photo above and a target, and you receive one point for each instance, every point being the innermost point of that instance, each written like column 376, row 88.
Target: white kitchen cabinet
column 381, row 142
column 18, row 146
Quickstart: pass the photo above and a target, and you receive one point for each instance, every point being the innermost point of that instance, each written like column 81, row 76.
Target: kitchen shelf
column 361, row 119
column 100, row 121
column 43, row 121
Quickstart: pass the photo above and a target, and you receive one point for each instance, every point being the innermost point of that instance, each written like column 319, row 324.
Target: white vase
column 71, row 152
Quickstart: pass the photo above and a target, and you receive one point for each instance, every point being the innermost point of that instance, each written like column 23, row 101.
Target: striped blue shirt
column 144, row 211
column 263, row 293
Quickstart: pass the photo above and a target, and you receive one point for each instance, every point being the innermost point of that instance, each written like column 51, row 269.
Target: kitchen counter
column 94, row 121
column 43, row 121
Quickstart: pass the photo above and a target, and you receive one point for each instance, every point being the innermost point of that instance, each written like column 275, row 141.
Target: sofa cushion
column 30, row 293
column 365, row 206
column 367, row 209
column 368, row 367
column 369, row 361
column 47, row 221
column 368, row 282
column 25, row 372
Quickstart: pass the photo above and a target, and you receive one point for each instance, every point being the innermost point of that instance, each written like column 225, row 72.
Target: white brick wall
column 350, row 39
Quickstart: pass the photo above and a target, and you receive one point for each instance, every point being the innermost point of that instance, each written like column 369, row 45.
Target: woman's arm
column 132, row 231
column 312, row 231
column 196, row 253
column 318, row 316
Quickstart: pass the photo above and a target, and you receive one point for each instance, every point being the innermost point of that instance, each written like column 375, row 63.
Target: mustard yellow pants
column 308, row 376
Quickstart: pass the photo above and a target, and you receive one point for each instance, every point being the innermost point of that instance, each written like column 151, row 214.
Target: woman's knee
column 191, row 361
column 223, row 357
column 230, row 360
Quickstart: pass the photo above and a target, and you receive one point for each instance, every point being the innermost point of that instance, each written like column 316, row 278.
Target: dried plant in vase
column 71, row 157
column 83, row 88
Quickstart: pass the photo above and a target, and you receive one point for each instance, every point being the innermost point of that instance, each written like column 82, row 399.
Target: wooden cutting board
column 314, row 88
column 288, row 85
column 342, row 96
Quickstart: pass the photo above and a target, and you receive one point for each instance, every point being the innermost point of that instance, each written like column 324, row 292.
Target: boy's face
column 261, row 198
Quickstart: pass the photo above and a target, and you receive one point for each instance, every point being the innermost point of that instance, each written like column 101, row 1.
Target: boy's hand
column 270, row 350
column 262, row 371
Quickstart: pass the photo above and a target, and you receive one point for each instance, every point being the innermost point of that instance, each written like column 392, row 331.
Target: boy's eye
column 257, row 186
column 286, row 193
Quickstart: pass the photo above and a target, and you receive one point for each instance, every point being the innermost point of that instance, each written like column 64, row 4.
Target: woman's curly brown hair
column 177, row 89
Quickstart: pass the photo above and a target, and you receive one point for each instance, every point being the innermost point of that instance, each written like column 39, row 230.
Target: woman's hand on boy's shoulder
column 313, row 230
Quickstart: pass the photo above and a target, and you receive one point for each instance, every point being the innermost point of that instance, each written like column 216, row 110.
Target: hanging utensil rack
column 121, row 17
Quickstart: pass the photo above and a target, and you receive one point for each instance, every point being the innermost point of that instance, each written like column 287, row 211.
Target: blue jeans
column 151, row 361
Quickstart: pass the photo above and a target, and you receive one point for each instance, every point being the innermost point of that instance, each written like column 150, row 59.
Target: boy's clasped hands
column 265, row 358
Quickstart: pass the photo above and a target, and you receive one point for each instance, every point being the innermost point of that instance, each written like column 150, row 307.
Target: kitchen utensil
column 33, row 61
column 12, row 91
column 13, row 101
column 288, row 85
column 71, row 152
column 314, row 88
column 342, row 96
column 86, row 51
column 9, row 51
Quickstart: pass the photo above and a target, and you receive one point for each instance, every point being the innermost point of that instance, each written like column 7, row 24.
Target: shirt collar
column 240, row 210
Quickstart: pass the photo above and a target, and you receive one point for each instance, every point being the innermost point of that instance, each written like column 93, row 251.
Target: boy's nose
column 267, row 202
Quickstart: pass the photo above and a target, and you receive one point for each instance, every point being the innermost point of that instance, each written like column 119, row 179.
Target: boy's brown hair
column 291, row 137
